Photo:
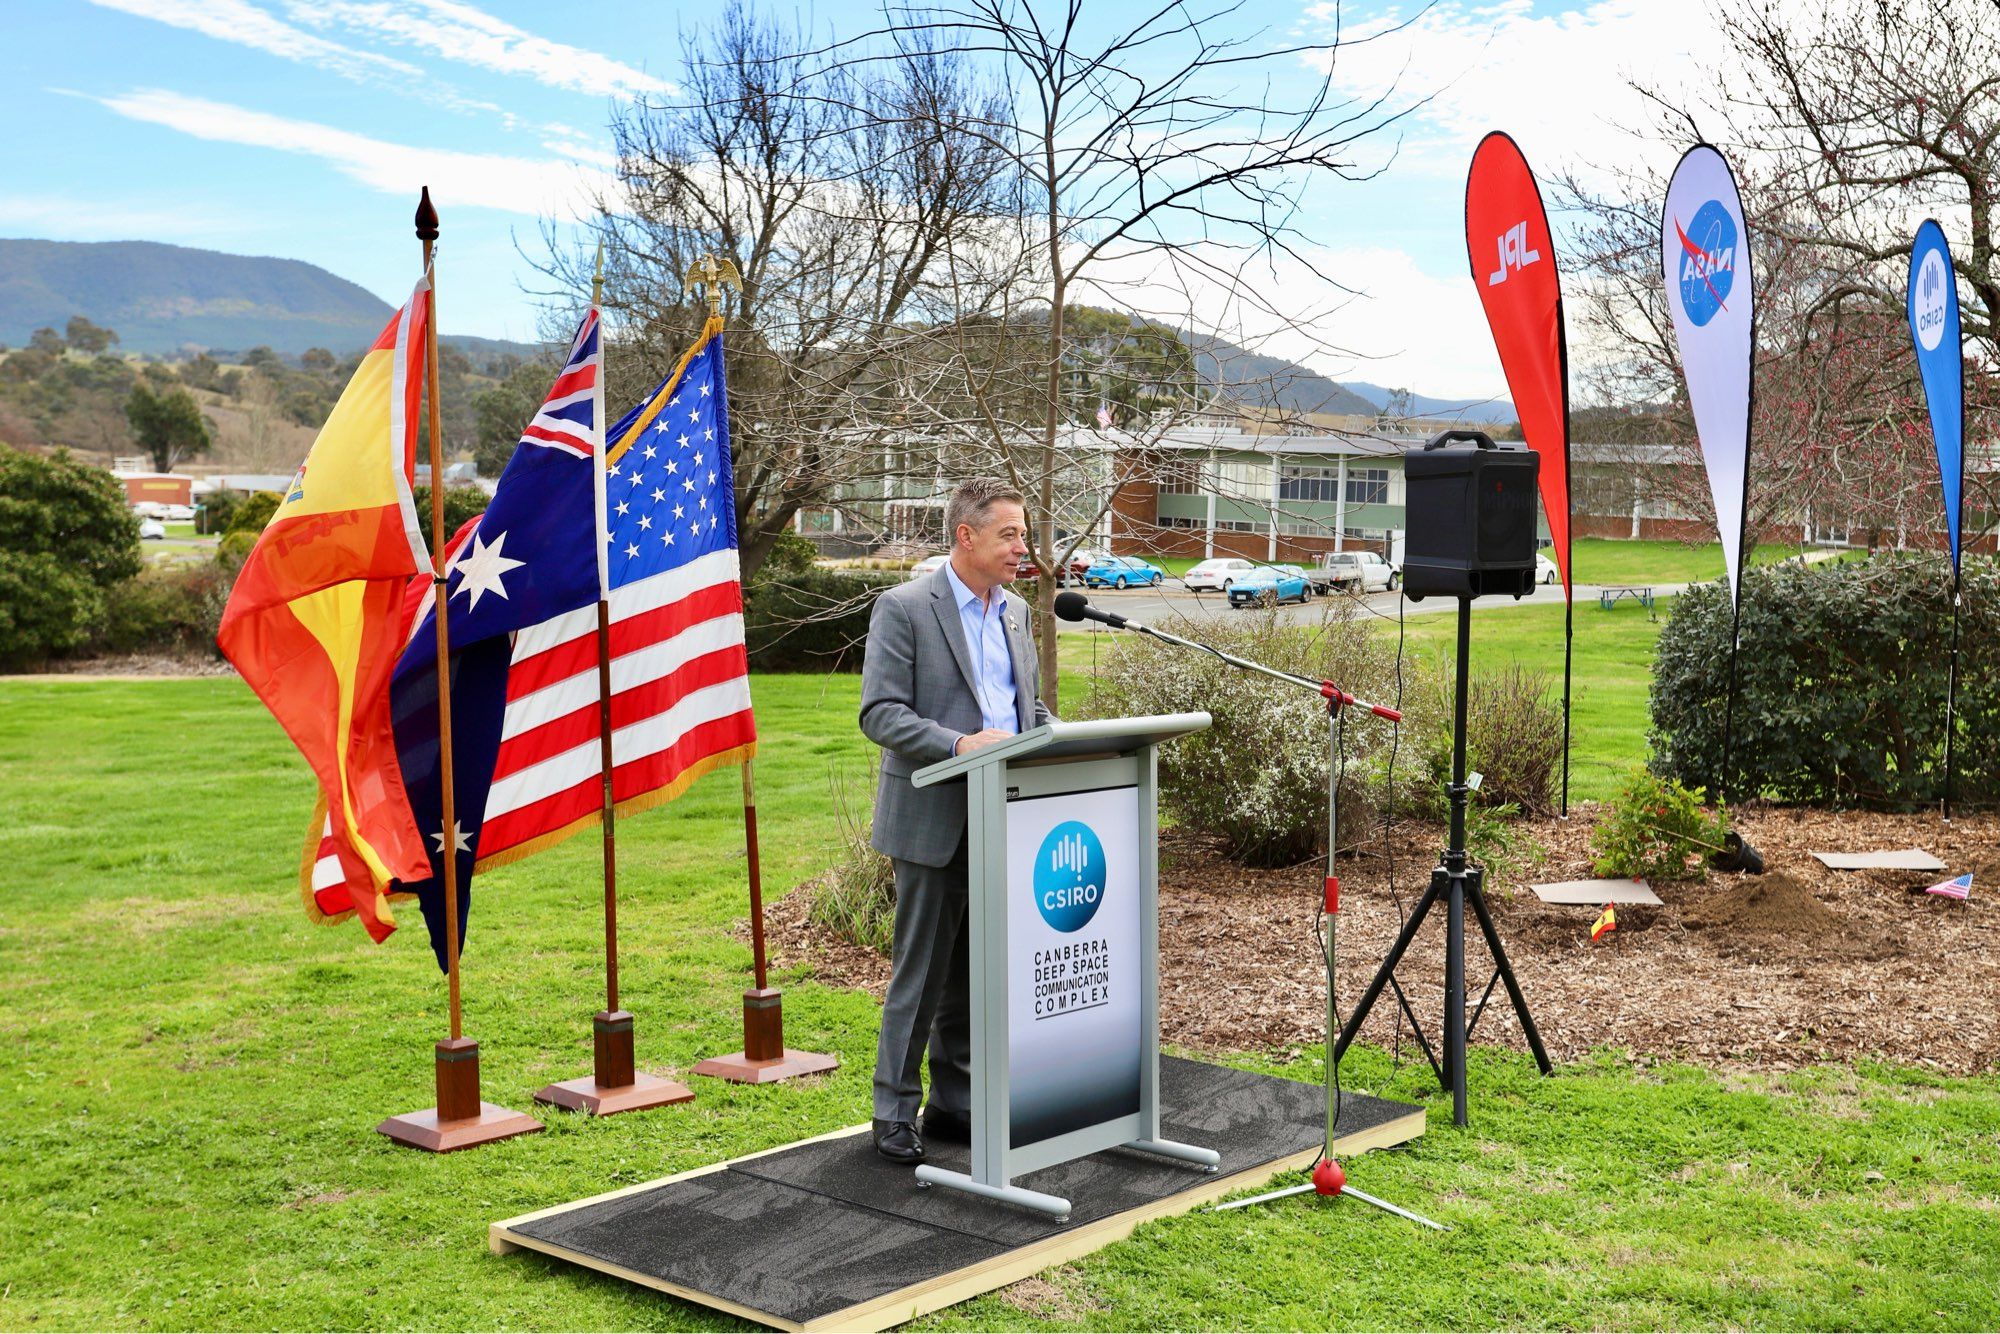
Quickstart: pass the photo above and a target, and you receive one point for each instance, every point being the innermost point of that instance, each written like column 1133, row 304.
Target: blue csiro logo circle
column 1069, row 876
column 1932, row 285
column 1708, row 261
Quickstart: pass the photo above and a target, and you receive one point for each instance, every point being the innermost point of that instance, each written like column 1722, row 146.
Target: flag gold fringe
column 310, row 857
column 645, row 801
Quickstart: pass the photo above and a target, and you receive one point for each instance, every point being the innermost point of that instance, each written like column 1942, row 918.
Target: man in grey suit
column 950, row 667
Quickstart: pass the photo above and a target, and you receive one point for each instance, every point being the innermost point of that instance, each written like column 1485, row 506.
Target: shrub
column 1841, row 689
column 217, row 508
column 789, row 554
column 1513, row 739
column 252, row 513
column 856, row 898
column 811, row 622
column 66, row 538
column 1658, row 830
column 1257, row 777
column 167, row 609
column 461, row 503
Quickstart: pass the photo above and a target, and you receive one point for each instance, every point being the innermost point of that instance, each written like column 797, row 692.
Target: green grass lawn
column 195, row 1072
column 1601, row 560
column 1611, row 672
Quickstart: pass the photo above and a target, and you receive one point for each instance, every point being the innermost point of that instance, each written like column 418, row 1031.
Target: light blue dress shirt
column 992, row 665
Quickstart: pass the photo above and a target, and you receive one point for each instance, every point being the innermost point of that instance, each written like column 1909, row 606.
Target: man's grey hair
column 972, row 503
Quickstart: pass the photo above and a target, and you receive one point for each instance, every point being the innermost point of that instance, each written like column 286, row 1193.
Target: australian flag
column 532, row 556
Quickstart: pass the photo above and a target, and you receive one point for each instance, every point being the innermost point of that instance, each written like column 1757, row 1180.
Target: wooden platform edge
column 920, row 1299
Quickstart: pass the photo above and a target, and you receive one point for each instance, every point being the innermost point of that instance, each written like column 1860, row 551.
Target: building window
column 1367, row 486
column 1180, row 477
column 1296, row 482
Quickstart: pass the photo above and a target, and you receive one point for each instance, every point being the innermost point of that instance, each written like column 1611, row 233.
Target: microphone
column 1074, row 606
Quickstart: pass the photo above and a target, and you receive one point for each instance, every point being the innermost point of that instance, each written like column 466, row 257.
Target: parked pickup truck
column 1354, row 572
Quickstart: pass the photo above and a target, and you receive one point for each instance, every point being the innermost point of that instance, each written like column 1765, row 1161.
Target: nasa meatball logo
column 1931, row 289
column 1708, row 262
column 1069, row 876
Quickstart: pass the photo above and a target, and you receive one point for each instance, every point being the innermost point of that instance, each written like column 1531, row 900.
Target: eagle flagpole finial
column 714, row 272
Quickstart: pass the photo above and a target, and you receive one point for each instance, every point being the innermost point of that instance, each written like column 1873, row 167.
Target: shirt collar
column 962, row 594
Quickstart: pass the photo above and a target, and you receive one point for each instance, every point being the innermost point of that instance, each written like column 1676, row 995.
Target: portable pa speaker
column 1469, row 512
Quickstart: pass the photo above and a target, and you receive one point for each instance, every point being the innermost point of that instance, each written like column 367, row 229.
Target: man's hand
column 982, row 738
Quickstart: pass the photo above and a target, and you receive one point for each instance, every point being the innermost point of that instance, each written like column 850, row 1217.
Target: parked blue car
column 1123, row 572
column 1268, row 584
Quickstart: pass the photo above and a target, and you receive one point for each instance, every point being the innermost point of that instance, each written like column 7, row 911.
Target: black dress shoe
column 954, row 1127
column 898, row 1142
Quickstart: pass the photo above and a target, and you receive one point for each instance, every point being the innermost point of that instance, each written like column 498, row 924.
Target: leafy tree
column 168, row 424
column 502, row 411
column 202, row 372
column 261, row 358
column 85, row 336
column 66, row 538
column 317, row 360
column 46, row 340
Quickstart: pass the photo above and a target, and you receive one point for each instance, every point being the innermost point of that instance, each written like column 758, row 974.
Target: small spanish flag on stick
column 1607, row 922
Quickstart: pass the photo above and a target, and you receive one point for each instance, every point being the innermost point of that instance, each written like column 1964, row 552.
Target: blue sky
column 301, row 128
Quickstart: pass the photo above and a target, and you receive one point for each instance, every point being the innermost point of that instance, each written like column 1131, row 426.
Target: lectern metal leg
column 1187, row 1153
column 1054, row 1206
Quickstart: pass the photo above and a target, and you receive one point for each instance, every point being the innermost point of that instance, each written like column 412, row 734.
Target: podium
column 1063, row 949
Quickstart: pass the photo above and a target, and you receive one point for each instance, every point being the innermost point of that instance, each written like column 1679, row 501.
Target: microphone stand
column 1327, row 1176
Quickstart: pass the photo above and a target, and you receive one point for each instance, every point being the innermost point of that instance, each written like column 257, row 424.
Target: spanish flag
column 1607, row 922
column 314, row 623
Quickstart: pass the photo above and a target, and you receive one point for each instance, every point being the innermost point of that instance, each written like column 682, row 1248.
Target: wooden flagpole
column 459, row 1120
column 615, row 1083
column 764, row 1059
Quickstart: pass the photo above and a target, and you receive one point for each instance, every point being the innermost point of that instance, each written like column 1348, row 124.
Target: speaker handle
column 1479, row 439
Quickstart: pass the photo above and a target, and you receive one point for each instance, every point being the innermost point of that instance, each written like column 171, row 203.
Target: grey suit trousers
column 929, row 994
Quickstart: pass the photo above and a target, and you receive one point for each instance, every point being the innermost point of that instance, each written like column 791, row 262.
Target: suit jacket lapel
column 1017, row 652
column 945, row 604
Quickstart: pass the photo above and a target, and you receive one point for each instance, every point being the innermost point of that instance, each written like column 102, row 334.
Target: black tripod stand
column 1457, row 883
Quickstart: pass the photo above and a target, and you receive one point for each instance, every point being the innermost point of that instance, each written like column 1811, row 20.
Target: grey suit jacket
column 917, row 700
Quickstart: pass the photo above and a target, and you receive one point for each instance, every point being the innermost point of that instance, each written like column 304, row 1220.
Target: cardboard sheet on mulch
column 1796, row 966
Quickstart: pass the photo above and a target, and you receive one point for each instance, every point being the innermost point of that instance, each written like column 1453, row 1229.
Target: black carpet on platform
column 820, row 1227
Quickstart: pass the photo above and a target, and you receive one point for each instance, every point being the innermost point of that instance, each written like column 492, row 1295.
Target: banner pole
column 1569, row 638
column 460, row 1119
column 1950, row 695
column 1729, row 707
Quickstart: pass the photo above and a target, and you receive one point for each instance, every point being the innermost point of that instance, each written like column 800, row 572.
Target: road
column 1171, row 603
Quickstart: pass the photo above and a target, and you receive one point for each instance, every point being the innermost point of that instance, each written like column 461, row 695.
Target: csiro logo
column 1931, row 288
column 1069, row 876
column 1708, row 261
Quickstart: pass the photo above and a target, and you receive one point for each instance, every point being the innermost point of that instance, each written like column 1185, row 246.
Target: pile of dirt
column 1793, row 967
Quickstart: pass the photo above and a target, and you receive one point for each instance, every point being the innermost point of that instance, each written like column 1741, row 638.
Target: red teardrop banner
column 1514, row 267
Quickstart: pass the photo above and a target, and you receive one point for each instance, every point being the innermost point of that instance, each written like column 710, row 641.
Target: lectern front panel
column 1076, row 962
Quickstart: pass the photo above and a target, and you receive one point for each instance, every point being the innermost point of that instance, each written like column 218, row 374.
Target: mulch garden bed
column 1796, row 966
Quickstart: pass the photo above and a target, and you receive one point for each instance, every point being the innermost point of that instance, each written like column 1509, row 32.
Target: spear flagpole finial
column 714, row 272
column 427, row 217
column 597, row 278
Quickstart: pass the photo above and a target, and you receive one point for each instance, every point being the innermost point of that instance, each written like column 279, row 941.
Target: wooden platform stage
column 824, row 1234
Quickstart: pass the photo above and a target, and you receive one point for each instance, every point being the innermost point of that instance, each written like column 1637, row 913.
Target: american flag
column 680, row 703
column 1959, row 888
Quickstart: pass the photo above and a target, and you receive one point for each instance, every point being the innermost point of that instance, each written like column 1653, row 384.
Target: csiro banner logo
column 1069, row 876
column 1931, row 286
column 1708, row 261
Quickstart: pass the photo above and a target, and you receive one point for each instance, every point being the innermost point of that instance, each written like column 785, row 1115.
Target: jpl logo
column 1708, row 261
column 1514, row 253
column 1069, row 876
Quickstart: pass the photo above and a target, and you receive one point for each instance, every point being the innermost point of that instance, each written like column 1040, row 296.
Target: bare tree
column 1157, row 163
column 1846, row 125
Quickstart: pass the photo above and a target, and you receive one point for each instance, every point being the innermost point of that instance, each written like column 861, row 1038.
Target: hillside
column 1483, row 411
column 1259, row 381
column 163, row 298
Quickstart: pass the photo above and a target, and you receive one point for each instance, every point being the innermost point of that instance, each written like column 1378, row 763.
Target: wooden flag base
column 616, row 1086
column 765, row 1059
column 460, row 1120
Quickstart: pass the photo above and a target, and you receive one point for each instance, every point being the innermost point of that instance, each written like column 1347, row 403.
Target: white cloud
column 532, row 186
column 468, row 35
column 1558, row 82
column 1351, row 313
column 247, row 25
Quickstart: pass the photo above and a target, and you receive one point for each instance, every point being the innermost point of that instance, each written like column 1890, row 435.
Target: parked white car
column 928, row 565
column 1216, row 575
column 1545, row 570
column 152, row 530
column 177, row 513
